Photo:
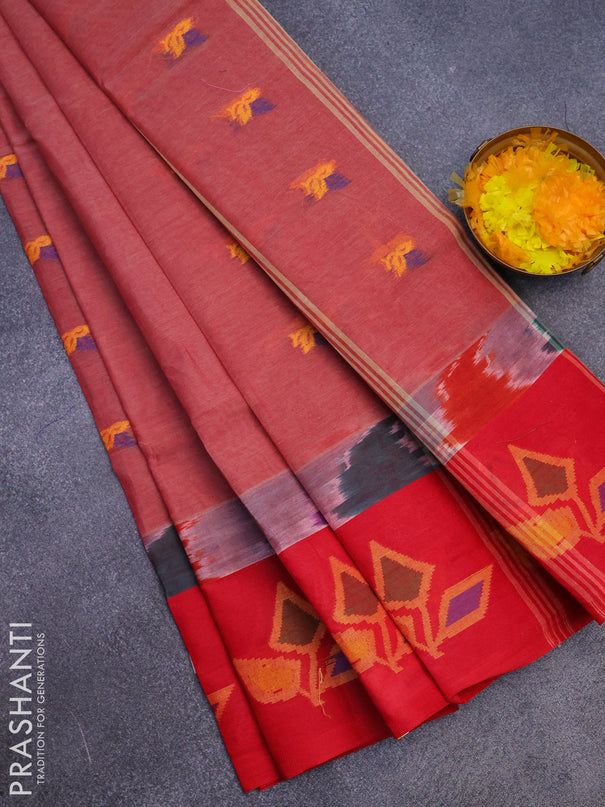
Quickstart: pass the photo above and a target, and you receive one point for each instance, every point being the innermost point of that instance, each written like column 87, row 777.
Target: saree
column 417, row 587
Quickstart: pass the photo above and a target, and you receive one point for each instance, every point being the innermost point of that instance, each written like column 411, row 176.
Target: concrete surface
column 127, row 723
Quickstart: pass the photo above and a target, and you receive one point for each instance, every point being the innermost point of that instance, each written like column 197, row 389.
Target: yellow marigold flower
column 534, row 206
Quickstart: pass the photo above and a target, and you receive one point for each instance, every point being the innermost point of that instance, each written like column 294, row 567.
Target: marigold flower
column 534, row 206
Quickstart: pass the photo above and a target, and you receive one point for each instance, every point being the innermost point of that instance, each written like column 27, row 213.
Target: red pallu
column 440, row 573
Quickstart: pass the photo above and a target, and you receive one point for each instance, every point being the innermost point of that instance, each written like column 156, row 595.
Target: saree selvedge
column 417, row 259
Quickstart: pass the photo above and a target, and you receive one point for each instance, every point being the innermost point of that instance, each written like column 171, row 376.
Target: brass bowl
column 569, row 144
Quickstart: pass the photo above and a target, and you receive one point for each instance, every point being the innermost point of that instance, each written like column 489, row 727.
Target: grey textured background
column 127, row 721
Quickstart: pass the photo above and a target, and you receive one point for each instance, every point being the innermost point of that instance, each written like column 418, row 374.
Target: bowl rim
column 578, row 148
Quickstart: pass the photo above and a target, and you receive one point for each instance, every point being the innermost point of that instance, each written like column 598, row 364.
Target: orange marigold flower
column 569, row 209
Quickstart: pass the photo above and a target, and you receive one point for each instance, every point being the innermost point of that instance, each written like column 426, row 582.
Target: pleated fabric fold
column 212, row 663
column 404, row 692
column 345, row 719
column 333, row 582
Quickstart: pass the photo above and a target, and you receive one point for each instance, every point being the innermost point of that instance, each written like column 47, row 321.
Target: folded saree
column 300, row 179
column 423, row 593
column 412, row 695
column 346, row 719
